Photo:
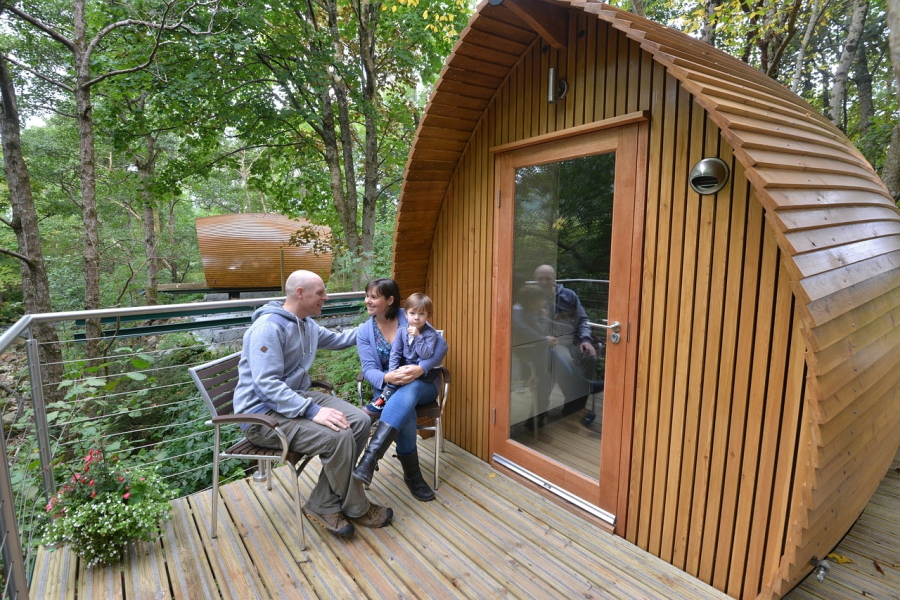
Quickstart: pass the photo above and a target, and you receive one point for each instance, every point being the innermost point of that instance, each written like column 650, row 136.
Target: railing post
column 40, row 416
column 13, row 564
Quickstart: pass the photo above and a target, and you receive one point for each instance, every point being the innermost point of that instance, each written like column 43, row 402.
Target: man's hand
column 588, row 348
column 331, row 417
column 413, row 331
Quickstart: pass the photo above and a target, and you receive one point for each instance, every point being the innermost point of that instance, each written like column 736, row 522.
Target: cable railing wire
column 162, row 399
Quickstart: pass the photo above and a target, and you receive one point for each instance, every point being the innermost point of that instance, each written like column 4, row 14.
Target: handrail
column 168, row 308
column 14, row 566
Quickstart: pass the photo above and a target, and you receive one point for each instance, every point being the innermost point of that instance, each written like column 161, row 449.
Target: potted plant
column 104, row 506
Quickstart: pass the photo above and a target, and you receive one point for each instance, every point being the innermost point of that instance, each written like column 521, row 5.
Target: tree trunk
column 890, row 173
column 707, row 28
column 637, row 7
column 893, row 22
column 863, row 80
column 91, row 264
column 35, row 283
column 842, row 73
column 368, row 22
column 804, row 44
column 149, row 220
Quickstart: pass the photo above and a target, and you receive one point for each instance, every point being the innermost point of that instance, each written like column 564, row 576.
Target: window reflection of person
column 574, row 356
column 532, row 344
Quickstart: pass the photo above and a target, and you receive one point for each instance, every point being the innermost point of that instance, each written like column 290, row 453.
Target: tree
column 331, row 81
column 127, row 45
column 891, row 173
column 842, row 73
column 33, row 269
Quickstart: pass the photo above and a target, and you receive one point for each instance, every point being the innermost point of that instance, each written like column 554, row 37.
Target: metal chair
column 435, row 411
column 216, row 382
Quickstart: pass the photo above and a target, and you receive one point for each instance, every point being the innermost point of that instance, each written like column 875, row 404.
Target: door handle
column 613, row 329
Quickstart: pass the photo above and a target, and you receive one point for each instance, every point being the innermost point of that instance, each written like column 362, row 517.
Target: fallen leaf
column 492, row 475
column 878, row 567
column 841, row 560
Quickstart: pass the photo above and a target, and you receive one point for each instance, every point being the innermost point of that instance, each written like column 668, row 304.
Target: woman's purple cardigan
column 368, row 355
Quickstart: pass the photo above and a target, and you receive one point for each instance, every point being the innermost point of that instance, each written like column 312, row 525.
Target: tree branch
column 42, row 26
column 49, row 80
column 21, row 257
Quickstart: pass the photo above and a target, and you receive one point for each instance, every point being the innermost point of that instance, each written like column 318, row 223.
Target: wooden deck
column 484, row 537
column 873, row 547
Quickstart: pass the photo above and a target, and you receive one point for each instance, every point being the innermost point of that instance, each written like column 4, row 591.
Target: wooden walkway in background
column 873, row 546
column 484, row 537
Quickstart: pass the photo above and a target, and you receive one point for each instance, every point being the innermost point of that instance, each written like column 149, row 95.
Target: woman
column 398, row 418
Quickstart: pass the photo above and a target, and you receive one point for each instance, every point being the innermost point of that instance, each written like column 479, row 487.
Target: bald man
column 279, row 348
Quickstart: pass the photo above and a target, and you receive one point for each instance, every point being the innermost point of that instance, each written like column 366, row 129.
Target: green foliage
column 104, row 506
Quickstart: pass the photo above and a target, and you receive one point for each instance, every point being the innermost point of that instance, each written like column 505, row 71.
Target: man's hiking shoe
column 376, row 516
column 336, row 523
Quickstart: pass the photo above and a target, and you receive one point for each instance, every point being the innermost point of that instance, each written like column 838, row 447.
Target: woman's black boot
column 380, row 441
column 412, row 475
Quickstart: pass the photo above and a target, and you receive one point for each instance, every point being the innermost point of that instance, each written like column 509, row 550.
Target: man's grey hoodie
column 278, row 351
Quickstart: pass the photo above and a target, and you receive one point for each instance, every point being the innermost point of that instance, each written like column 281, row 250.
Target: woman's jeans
column 400, row 411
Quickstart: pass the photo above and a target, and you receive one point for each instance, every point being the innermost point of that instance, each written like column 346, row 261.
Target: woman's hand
column 404, row 374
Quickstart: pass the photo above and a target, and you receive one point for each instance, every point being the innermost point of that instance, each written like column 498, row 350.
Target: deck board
column 484, row 536
column 875, row 537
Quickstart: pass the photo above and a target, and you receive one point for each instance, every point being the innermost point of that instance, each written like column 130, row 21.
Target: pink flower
column 91, row 483
column 121, row 479
column 49, row 506
column 94, row 493
column 126, row 495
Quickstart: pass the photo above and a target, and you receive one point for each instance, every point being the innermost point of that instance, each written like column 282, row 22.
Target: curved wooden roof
column 836, row 225
column 244, row 250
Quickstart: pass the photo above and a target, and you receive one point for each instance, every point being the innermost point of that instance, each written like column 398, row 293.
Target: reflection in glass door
column 568, row 233
column 562, row 236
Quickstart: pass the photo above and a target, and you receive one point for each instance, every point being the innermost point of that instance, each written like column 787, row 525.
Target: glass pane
column 562, row 243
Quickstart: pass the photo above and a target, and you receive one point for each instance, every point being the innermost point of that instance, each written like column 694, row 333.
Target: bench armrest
column 322, row 384
column 253, row 418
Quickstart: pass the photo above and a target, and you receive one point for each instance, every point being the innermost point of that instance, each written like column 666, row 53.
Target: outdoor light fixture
column 709, row 176
column 556, row 88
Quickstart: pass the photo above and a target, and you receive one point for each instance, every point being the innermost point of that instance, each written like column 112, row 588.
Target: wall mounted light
column 709, row 176
column 556, row 88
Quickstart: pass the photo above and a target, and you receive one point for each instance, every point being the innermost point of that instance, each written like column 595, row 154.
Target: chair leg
column 297, row 508
column 438, row 448
column 215, row 487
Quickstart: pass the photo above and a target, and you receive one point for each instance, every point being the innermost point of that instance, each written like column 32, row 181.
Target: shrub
column 105, row 506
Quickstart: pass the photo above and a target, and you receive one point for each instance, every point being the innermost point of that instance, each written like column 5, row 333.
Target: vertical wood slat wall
column 719, row 389
column 721, row 367
column 598, row 73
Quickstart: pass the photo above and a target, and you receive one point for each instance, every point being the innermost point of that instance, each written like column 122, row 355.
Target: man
column 569, row 328
column 279, row 348
column 565, row 309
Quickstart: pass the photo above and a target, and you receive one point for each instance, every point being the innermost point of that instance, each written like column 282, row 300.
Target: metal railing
column 136, row 401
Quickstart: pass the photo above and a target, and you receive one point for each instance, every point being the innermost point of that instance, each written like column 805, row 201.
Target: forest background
column 124, row 121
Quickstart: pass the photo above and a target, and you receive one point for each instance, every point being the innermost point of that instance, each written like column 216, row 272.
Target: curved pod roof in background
column 243, row 251
column 835, row 223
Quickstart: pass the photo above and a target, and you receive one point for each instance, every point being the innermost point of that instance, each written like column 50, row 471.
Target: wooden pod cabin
column 744, row 411
column 244, row 250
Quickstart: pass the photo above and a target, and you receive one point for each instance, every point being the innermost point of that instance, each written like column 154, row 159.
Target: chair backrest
column 216, row 381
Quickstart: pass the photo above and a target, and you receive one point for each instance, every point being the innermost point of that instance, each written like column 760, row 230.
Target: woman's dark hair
column 387, row 288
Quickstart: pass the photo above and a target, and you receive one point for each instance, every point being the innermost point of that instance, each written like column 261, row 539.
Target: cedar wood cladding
column 766, row 404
